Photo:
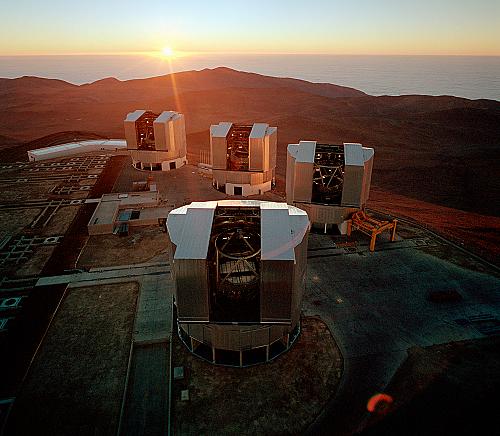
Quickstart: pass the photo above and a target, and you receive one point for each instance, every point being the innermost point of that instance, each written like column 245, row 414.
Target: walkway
column 97, row 274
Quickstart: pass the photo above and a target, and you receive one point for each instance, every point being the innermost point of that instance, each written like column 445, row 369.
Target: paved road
column 146, row 407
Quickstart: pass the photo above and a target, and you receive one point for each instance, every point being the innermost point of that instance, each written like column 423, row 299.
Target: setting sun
column 167, row 52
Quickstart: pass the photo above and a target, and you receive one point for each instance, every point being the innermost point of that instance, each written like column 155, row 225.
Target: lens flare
column 379, row 403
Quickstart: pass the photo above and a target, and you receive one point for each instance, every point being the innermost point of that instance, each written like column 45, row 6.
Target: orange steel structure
column 370, row 226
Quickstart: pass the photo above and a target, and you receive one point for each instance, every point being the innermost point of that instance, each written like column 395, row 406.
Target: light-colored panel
column 276, row 237
column 196, row 231
column 130, row 134
column 266, row 154
column 220, row 130
column 161, row 135
column 290, row 175
column 239, row 203
column 368, row 154
column 72, row 148
column 164, row 117
column 105, row 213
column 258, row 130
column 352, row 186
column 353, row 154
column 299, row 224
column 353, row 175
column 134, row 116
column 172, row 126
column 303, row 151
column 219, row 153
column 256, row 154
column 302, row 190
column 180, row 141
column 272, row 134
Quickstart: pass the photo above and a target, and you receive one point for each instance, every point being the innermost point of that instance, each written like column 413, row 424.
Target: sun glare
column 167, row 52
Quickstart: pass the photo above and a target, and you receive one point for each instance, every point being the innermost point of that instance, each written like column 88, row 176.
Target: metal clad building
column 156, row 142
column 75, row 148
column 188, row 232
column 243, row 157
column 328, row 181
column 239, row 271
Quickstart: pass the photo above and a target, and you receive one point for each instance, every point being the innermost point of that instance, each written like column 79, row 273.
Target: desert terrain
column 436, row 158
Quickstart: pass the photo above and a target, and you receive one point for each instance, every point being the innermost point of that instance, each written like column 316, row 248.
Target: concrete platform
column 376, row 306
column 181, row 186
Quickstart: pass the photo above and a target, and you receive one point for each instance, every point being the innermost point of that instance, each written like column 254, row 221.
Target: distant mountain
column 444, row 150
column 27, row 84
column 220, row 78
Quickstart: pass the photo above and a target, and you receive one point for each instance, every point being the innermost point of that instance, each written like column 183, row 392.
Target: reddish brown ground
column 438, row 157
column 479, row 233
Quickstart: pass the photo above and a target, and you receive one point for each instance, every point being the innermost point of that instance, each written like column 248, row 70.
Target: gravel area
column 75, row 385
column 281, row 397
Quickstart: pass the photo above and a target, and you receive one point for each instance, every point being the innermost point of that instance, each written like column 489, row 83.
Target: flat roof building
column 115, row 211
column 239, row 272
column 74, row 148
column 156, row 142
column 328, row 181
column 243, row 158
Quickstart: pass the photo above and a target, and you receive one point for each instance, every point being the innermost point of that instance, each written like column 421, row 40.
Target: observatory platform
column 243, row 158
column 329, row 182
column 239, row 272
column 156, row 142
column 375, row 312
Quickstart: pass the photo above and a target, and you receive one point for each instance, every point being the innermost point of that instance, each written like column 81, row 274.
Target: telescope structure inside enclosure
column 239, row 272
column 329, row 182
column 243, row 158
column 156, row 142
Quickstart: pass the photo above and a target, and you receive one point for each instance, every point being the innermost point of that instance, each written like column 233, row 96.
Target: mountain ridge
column 440, row 149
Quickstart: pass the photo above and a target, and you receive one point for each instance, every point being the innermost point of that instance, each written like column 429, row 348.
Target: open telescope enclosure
column 243, row 157
column 156, row 142
column 239, row 270
column 328, row 181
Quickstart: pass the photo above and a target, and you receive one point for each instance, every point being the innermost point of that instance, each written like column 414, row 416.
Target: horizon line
column 183, row 54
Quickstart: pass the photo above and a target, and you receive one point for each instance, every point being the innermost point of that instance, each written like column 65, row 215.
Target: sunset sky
column 468, row 27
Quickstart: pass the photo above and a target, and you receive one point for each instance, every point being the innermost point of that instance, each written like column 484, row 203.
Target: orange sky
column 318, row 26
